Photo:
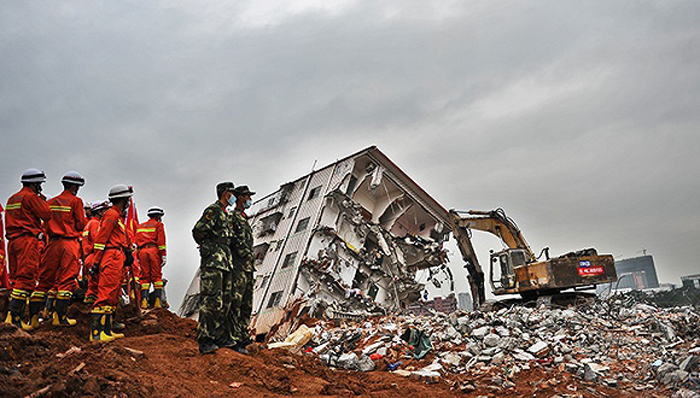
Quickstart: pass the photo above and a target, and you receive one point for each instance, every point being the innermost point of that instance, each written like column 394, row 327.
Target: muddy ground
column 159, row 358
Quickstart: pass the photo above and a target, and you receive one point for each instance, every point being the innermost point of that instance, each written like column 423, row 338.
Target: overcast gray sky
column 581, row 119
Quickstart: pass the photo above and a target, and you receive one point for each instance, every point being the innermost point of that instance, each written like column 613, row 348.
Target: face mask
column 232, row 200
column 248, row 203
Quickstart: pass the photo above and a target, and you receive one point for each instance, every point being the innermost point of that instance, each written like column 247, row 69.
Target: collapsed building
column 345, row 241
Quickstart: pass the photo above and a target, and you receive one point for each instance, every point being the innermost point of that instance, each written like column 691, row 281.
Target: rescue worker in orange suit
column 97, row 210
column 25, row 212
column 60, row 265
column 4, row 280
column 150, row 239
column 112, row 250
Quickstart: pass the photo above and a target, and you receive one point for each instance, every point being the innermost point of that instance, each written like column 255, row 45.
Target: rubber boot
column 35, row 308
column 158, row 294
column 59, row 314
column 14, row 314
column 97, row 327
column 50, row 303
column 108, row 328
column 144, row 299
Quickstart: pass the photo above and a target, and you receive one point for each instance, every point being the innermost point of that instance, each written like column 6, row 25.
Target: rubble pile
column 613, row 344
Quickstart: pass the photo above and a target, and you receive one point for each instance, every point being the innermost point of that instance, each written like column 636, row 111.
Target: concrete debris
column 596, row 342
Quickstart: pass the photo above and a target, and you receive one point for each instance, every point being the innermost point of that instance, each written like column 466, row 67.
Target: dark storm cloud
column 579, row 118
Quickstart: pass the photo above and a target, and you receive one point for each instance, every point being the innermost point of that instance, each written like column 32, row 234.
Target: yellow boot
column 97, row 327
column 108, row 328
column 18, row 300
column 59, row 313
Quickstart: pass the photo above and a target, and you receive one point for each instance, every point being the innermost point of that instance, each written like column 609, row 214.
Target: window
column 289, row 260
column 263, row 282
column 314, row 192
column 271, row 201
column 275, row 299
column 291, row 212
column 302, row 224
column 278, row 245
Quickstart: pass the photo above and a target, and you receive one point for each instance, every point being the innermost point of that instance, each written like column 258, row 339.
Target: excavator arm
column 475, row 274
column 497, row 223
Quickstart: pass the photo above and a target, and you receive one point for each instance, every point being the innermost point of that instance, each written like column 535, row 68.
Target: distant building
column 691, row 281
column 464, row 301
column 637, row 273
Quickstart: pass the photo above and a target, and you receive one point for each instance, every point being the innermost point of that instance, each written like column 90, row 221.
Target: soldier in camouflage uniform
column 213, row 233
column 243, row 268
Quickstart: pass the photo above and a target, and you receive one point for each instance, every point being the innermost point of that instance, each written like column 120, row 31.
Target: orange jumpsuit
column 4, row 279
column 88, row 244
column 150, row 238
column 59, row 266
column 110, row 243
column 25, row 211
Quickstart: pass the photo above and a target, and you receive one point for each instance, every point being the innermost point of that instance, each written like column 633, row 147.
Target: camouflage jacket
column 242, row 241
column 213, row 233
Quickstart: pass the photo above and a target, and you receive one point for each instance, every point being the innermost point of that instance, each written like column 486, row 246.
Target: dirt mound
column 159, row 358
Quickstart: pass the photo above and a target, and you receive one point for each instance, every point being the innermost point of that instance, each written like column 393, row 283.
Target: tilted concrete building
column 348, row 239
column 345, row 240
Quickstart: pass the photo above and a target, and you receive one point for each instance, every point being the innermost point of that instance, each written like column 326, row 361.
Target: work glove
column 164, row 261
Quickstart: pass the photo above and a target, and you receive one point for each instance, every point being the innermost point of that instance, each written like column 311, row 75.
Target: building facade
column 348, row 238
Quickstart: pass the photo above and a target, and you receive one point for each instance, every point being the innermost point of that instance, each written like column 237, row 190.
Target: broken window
column 289, row 260
column 302, row 224
column 263, row 281
column 268, row 224
column 314, row 192
column 275, row 299
column 259, row 252
column 278, row 245
column 291, row 212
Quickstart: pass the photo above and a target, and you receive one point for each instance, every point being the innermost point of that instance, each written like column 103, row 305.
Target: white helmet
column 97, row 206
column 120, row 191
column 73, row 177
column 155, row 211
column 33, row 176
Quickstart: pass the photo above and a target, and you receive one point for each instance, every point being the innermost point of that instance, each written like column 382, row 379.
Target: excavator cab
column 502, row 270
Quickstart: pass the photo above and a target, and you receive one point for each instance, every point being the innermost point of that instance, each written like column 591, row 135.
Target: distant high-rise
column 637, row 273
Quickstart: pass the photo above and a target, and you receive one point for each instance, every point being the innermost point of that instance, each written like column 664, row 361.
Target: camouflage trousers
column 238, row 319
column 215, row 287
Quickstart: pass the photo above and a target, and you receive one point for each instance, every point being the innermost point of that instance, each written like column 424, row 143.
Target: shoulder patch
column 209, row 215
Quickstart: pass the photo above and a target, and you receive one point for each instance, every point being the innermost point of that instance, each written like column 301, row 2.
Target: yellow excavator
column 516, row 270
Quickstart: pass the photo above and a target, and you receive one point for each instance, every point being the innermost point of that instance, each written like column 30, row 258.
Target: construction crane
column 516, row 269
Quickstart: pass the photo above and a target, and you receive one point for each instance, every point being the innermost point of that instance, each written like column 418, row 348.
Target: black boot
column 144, row 299
column 59, row 313
column 35, row 308
column 158, row 298
column 207, row 347
column 108, row 328
column 50, row 304
column 97, row 332
column 14, row 314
